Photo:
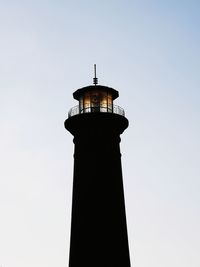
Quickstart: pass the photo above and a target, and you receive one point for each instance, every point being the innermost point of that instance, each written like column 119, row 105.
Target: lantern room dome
column 80, row 92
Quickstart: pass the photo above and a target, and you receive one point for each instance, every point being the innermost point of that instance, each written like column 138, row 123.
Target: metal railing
column 102, row 109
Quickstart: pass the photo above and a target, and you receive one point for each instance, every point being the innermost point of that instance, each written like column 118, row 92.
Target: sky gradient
column 150, row 52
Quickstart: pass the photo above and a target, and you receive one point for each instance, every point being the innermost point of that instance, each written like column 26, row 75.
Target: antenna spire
column 95, row 79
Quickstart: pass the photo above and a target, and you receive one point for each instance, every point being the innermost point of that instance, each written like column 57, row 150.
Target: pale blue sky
column 149, row 51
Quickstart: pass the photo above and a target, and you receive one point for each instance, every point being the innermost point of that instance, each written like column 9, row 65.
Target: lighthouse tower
column 98, row 226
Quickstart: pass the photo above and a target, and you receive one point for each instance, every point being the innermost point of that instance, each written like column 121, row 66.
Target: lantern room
column 96, row 98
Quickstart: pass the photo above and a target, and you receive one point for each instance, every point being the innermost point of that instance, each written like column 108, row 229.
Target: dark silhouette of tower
column 98, row 228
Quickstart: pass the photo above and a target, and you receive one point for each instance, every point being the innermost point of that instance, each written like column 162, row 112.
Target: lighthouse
column 98, row 222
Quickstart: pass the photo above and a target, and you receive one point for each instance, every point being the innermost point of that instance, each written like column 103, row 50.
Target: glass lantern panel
column 86, row 103
column 95, row 101
column 103, row 102
column 110, row 102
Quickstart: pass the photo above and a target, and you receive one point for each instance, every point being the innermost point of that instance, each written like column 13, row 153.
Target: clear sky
column 150, row 52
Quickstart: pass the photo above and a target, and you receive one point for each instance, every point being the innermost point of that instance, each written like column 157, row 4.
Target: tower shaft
column 98, row 227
